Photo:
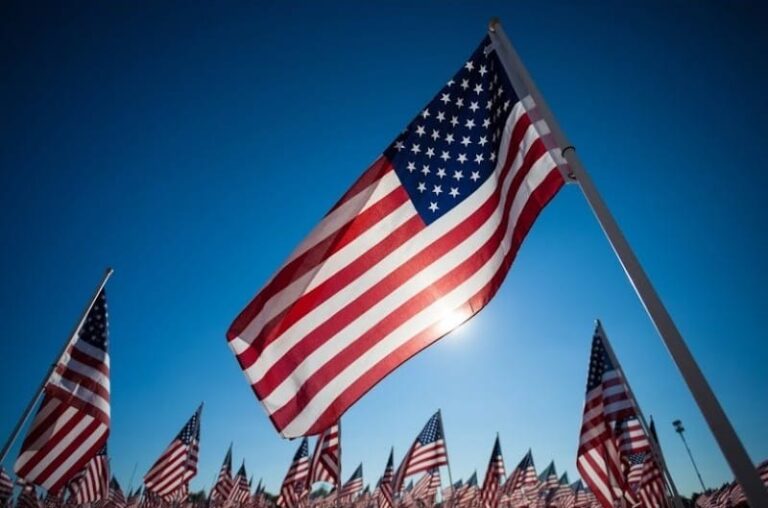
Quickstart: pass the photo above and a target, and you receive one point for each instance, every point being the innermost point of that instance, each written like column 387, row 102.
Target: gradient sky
column 192, row 145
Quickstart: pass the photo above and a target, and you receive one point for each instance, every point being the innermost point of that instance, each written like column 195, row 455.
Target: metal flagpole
column 39, row 393
column 732, row 448
column 641, row 417
column 445, row 444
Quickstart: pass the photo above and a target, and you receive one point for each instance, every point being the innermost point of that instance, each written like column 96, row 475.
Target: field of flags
column 412, row 250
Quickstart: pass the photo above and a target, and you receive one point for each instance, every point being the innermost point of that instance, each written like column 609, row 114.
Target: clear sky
column 192, row 145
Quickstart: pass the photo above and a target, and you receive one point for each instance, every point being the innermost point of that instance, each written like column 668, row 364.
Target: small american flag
column 494, row 477
column 6, row 487
column 523, row 477
column 241, row 489
column 607, row 401
column 224, row 483
column 426, row 488
column 426, row 452
column 467, row 495
column 169, row 476
column 116, row 498
column 294, row 485
column 385, row 497
column 134, row 498
column 92, row 483
column 73, row 421
column 326, row 460
column 419, row 244
column 353, row 485
column 28, row 496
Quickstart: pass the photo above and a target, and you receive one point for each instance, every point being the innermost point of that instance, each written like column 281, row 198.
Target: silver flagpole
column 448, row 460
column 39, row 393
column 732, row 448
column 656, row 452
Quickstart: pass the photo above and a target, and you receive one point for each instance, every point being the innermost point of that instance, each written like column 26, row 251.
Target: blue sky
column 192, row 145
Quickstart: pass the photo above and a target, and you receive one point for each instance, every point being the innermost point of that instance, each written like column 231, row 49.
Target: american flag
column 72, row 423
column 385, row 497
column 607, row 401
column 652, row 489
column 224, row 483
column 580, row 497
column 6, row 487
column 169, row 476
column 52, row 500
column 28, row 496
column 426, row 452
column 548, row 478
column 116, row 498
column 494, row 476
column 467, row 495
column 419, row 244
column 92, row 483
column 134, row 498
column 523, row 477
column 326, row 460
column 427, row 486
column 295, row 482
column 562, row 495
column 241, row 490
column 354, row 484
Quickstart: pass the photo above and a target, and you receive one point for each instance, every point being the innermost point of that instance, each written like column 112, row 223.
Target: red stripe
column 418, row 302
column 308, row 259
column 440, row 247
column 39, row 427
column 91, row 361
column 43, row 451
column 83, row 380
column 75, row 447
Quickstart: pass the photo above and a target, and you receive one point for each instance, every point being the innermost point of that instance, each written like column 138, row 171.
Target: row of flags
column 730, row 495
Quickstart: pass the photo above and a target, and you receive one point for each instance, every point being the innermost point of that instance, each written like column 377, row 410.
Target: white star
column 421, row 187
column 420, row 130
column 493, row 156
column 483, row 141
column 425, row 169
column 506, row 105
column 486, row 123
column 488, row 104
column 458, row 175
column 454, row 121
column 460, row 102
column 440, row 172
column 445, row 156
column 450, row 83
column 430, row 152
column 415, row 148
column 475, row 176
column 435, row 134
column 479, row 158
column 440, row 116
column 425, row 114
column 464, row 84
column 483, row 71
column 399, row 145
column 470, row 123
column 449, row 138
column 454, row 192
column 411, row 167
column 446, row 98
column 438, row 189
column 478, row 88
column 469, row 65
column 433, row 206
column 474, row 107
column 462, row 158
column 465, row 141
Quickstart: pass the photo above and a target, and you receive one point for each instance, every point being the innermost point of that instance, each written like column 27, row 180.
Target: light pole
column 680, row 429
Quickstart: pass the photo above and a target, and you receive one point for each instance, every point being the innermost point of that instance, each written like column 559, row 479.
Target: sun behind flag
column 418, row 245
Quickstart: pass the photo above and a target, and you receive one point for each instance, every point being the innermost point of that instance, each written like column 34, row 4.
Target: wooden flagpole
column 729, row 442
column 39, row 393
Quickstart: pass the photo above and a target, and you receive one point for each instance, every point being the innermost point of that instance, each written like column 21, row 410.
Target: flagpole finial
column 493, row 24
column 110, row 270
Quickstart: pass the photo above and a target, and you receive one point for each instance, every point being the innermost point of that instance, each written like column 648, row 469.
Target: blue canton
column 94, row 330
column 450, row 148
column 432, row 431
column 599, row 363
column 191, row 430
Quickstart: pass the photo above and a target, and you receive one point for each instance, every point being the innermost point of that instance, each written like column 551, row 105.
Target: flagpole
column 445, row 444
column 730, row 445
column 654, row 445
column 39, row 393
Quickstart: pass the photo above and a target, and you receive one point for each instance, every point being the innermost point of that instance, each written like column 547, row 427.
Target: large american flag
column 295, row 482
column 385, row 495
column 92, row 483
column 607, row 401
column 224, row 482
column 354, row 485
column 72, row 423
column 419, row 244
column 494, row 476
column 326, row 460
column 169, row 476
column 426, row 452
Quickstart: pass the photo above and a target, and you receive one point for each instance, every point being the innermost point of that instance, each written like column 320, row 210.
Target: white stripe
column 440, row 309
column 75, row 455
column 428, row 276
column 33, row 449
column 268, row 356
column 62, row 443
column 81, row 392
